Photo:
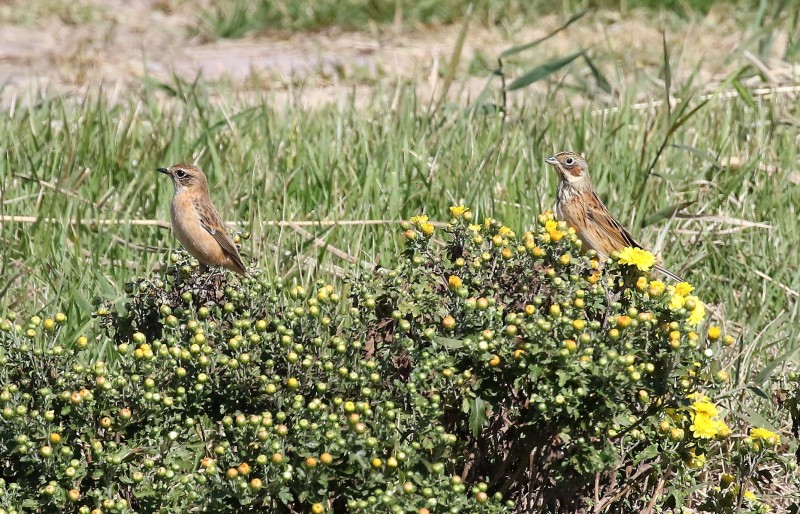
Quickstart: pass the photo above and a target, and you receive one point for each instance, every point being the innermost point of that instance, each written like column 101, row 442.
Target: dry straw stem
column 765, row 92
column 163, row 224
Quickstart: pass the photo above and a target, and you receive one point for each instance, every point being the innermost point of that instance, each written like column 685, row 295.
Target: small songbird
column 196, row 223
column 577, row 203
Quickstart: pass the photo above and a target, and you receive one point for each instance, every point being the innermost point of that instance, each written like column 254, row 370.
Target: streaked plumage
column 577, row 203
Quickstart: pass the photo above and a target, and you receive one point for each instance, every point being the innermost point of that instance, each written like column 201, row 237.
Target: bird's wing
column 598, row 214
column 621, row 238
column 212, row 223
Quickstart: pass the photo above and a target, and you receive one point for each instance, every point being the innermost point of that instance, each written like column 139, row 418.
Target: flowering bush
column 491, row 373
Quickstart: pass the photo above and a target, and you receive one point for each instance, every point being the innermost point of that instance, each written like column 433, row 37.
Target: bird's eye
column 570, row 161
column 180, row 174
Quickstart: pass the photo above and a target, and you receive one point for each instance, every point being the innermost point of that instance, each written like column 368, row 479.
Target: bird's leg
column 607, row 295
column 209, row 274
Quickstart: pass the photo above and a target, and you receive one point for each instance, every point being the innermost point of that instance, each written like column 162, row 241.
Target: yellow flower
column 765, row 435
column 427, row 229
column 699, row 397
column 683, row 288
column 457, row 210
column 487, row 222
column 726, row 479
column 475, row 228
column 418, row 220
column 550, row 226
column 714, row 332
column 750, row 496
column 505, row 231
column 705, row 408
column 703, row 427
column 698, row 313
column 454, row 282
column 676, row 302
column 697, row 461
column 656, row 288
column 642, row 259
column 705, row 424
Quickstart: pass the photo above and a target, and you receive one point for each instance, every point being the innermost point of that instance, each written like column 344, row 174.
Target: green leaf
column 542, row 71
column 285, row 495
column 648, row 453
column 362, row 461
column 144, row 492
column 521, row 48
column 447, row 342
column 765, row 374
column 477, row 416
column 758, row 391
column 744, row 93
column 601, row 81
column 753, row 418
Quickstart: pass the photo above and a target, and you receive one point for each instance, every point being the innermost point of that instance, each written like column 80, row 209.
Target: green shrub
column 487, row 373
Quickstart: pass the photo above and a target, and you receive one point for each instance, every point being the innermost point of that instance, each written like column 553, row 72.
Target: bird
column 577, row 203
column 197, row 224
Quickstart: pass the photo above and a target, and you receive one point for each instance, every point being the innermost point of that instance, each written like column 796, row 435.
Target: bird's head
column 571, row 167
column 185, row 176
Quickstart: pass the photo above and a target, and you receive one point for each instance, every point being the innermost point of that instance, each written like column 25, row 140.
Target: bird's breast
column 190, row 232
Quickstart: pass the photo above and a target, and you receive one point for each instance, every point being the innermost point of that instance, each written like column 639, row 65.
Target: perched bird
column 196, row 223
column 577, row 203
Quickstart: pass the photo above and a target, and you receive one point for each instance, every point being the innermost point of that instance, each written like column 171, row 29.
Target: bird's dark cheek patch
column 574, row 171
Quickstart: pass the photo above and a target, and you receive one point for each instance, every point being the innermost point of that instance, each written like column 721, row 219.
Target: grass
column 91, row 160
column 731, row 161
column 237, row 18
column 69, row 13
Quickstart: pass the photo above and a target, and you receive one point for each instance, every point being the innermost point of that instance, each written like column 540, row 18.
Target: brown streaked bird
column 577, row 203
column 196, row 223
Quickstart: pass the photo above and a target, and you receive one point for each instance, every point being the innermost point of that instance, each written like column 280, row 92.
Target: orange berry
column 449, row 322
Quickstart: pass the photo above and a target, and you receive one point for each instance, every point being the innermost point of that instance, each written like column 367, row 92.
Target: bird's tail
column 664, row 271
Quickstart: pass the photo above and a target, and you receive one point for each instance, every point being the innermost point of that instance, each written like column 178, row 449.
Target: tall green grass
column 86, row 159
column 237, row 18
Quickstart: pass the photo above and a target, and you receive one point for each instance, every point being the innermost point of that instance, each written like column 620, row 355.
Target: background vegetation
column 711, row 180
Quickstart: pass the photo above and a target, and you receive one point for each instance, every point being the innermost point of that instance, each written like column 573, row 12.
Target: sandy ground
column 118, row 43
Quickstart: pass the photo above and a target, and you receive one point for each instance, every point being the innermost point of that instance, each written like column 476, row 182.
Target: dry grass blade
column 164, row 224
column 725, row 220
column 455, row 58
column 786, row 288
column 763, row 92
column 139, row 247
column 90, row 222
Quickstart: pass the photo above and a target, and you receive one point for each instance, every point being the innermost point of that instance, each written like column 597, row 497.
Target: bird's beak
column 165, row 171
column 551, row 160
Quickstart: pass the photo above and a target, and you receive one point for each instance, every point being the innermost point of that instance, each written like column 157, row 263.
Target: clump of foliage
column 486, row 373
